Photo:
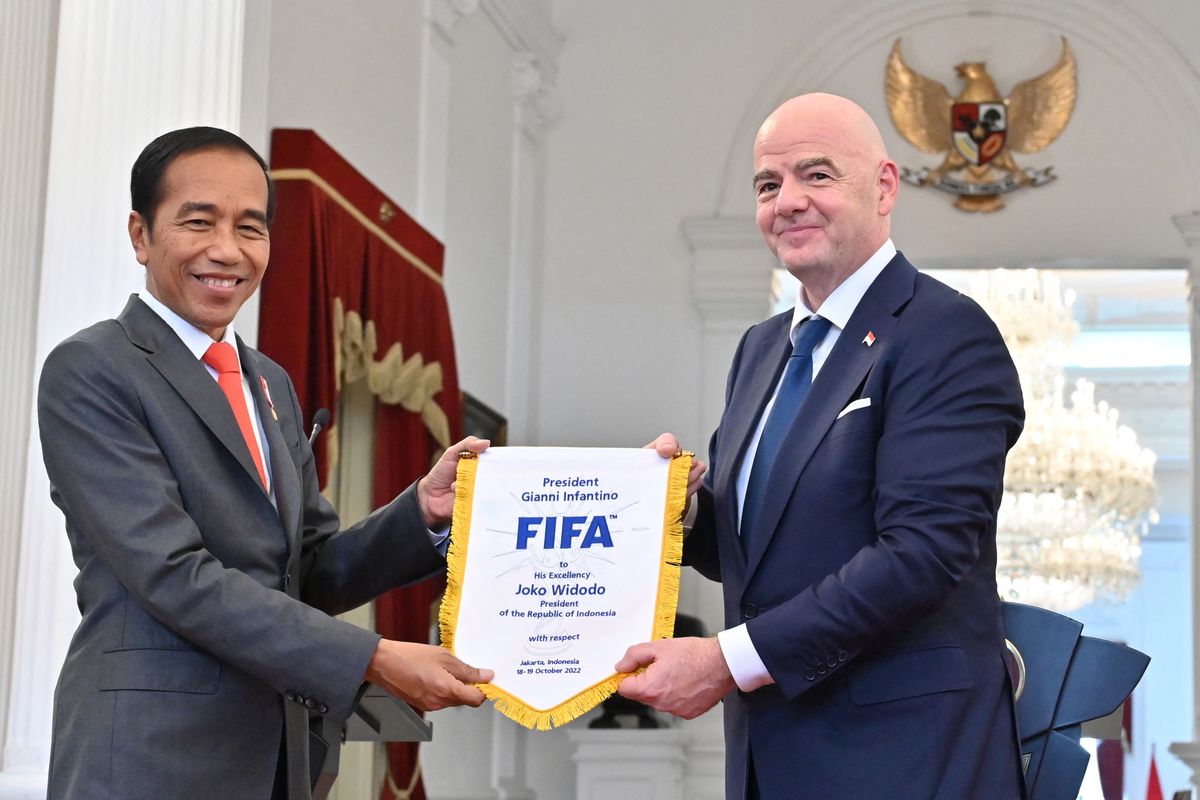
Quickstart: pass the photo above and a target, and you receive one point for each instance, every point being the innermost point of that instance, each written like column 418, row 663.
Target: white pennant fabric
column 560, row 559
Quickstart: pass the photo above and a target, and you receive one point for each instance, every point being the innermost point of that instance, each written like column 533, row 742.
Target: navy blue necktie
column 797, row 378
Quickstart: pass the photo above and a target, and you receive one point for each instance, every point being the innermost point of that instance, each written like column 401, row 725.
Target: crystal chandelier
column 1078, row 489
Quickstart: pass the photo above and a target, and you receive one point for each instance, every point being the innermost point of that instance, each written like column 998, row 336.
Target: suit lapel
column 283, row 471
column 167, row 354
column 835, row 385
column 764, row 360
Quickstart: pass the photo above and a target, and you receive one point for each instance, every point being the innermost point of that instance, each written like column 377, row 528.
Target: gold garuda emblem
column 978, row 129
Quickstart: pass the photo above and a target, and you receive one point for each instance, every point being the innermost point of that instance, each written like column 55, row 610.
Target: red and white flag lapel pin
column 869, row 339
column 267, row 394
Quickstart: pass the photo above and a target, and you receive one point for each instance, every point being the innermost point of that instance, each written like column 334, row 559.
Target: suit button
column 842, row 655
column 832, row 661
column 821, row 670
column 324, row 709
column 809, row 675
column 310, row 703
column 749, row 611
column 290, row 695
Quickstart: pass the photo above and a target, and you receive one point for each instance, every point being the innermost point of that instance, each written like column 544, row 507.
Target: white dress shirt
column 743, row 660
column 198, row 342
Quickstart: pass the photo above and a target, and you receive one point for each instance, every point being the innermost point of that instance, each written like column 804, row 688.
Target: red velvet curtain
column 336, row 237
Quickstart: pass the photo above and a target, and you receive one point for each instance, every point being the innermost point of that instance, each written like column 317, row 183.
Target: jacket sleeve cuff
column 747, row 668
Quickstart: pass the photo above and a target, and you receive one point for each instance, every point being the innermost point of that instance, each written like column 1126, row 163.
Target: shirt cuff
column 690, row 514
column 440, row 539
column 748, row 670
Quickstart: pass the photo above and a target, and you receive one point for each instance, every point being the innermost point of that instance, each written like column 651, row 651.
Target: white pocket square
column 861, row 402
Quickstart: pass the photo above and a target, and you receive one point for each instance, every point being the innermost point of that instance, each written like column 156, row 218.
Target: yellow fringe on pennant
column 456, row 554
column 672, row 552
column 521, row 713
column 665, row 605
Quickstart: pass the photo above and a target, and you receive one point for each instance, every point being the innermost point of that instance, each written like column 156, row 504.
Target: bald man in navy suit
column 850, row 511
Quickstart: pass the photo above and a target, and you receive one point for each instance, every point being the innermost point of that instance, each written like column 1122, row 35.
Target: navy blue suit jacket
column 871, row 593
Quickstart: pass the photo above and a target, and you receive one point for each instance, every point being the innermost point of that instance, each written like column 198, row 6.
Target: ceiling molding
column 527, row 30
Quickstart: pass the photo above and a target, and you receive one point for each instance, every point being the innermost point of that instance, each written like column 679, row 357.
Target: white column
column 125, row 71
column 1189, row 227
column 433, row 131
column 252, row 119
column 26, row 59
column 535, row 49
column 433, row 139
column 731, row 284
column 536, row 108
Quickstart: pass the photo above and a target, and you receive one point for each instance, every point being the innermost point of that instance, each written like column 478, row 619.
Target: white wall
column 351, row 74
column 651, row 101
column 479, row 205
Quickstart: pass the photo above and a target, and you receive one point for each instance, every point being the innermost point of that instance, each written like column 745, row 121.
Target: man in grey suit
column 209, row 564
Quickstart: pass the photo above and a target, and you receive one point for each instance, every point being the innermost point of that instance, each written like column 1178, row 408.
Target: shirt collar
column 838, row 307
column 193, row 338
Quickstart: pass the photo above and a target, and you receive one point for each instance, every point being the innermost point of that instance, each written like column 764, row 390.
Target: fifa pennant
column 559, row 560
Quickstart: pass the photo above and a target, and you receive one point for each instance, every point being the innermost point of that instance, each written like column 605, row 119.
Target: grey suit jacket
column 206, row 633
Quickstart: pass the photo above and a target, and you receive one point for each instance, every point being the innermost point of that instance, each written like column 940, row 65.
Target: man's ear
column 889, row 186
column 139, row 237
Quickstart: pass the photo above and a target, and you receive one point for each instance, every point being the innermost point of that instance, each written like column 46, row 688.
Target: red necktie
column 221, row 357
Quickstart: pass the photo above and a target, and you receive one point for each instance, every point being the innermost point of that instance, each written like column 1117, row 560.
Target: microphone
column 320, row 421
